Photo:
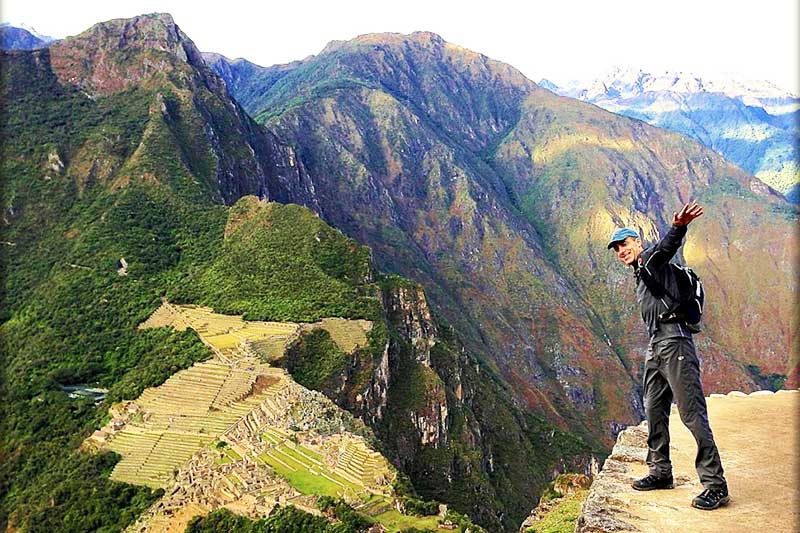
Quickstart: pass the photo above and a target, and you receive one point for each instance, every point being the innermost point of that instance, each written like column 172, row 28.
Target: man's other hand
column 687, row 214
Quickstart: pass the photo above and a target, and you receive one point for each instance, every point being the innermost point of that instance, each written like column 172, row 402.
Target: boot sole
column 643, row 489
column 722, row 501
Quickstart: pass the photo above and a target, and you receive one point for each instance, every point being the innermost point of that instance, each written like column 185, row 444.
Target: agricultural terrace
column 189, row 411
column 347, row 334
column 225, row 334
column 333, row 474
column 230, row 336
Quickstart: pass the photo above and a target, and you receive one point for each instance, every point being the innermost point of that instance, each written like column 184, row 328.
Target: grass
column 293, row 463
column 229, row 456
column 396, row 521
column 562, row 517
column 295, row 453
column 302, row 479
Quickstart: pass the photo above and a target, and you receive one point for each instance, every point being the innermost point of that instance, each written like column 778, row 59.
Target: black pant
column 672, row 370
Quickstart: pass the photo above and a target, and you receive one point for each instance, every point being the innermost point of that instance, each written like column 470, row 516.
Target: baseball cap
column 621, row 234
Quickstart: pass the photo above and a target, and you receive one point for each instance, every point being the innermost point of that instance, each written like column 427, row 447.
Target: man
column 672, row 370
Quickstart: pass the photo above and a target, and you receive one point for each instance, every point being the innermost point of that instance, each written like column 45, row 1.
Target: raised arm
column 669, row 244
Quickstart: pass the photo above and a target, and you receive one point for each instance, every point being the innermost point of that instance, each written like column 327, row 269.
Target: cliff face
column 408, row 311
column 454, row 426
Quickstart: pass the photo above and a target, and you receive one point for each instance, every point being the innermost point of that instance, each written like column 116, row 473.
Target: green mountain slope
column 752, row 124
column 498, row 196
column 115, row 176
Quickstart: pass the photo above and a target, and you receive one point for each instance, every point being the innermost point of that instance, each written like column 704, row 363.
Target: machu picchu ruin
column 235, row 432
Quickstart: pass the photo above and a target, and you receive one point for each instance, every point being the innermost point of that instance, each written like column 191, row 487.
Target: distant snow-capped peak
column 29, row 29
column 624, row 83
column 630, row 82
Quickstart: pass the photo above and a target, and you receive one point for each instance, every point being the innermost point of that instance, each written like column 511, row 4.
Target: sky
column 560, row 40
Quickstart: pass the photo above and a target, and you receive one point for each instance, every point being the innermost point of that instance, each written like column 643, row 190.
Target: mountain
column 130, row 176
column 498, row 196
column 752, row 124
column 402, row 181
column 505, row 351
column 14, row 38
column 240, row 75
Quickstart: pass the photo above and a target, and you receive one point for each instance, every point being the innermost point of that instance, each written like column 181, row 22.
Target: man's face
column 628, row 250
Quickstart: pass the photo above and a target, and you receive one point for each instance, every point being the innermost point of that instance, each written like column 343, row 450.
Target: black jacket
column 653, row 261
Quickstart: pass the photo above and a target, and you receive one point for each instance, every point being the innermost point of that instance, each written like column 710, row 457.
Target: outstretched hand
column 687, row 214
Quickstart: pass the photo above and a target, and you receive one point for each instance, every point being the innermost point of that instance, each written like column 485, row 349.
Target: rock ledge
column 757, row 436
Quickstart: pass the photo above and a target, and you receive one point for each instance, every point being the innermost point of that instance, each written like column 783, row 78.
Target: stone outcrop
column 566, row 487
column 757, row 436
column 408, row 310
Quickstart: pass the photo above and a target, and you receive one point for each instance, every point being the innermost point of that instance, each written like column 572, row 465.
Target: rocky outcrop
column 372, row 402
column 408, row 312
column 454, row 428
column 757, row 439
column 122, row 53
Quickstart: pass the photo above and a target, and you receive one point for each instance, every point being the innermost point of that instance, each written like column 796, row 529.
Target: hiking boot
column 711, row 499
column 651, row 482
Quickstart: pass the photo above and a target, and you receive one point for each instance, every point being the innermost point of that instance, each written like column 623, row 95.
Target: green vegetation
column 87, row 318
column 396, row 521
column 288, row 519
column 86, row 183
column 344, row 513
column 562, row 517
column 68, row 317
column 420, row 508
column 281, row 262
column 315, row 361
column 463, row 521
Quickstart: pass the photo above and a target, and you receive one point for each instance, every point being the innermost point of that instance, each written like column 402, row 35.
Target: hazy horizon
column 573, row 40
